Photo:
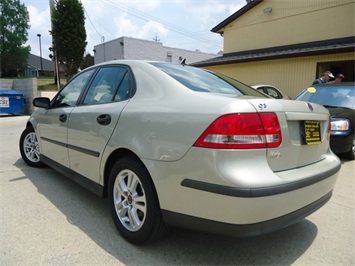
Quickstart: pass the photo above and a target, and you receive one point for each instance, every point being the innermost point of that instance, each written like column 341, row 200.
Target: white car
column 271, row 91
column 173, row 145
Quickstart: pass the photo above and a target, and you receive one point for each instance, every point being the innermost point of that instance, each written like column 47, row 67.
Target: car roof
column 341, row 84
column 262, row 85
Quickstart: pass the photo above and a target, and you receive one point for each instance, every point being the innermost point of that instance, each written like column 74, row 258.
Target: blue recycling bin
column 11, row 102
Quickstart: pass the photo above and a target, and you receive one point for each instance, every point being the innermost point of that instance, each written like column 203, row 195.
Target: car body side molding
column 76, row 148
column 81, row 180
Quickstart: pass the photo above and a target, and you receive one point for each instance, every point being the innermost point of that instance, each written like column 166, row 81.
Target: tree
column 14, row 19
column 88, row 61
column 69, row 35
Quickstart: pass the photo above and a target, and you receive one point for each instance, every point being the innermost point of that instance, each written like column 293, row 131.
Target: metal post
column 40, row 51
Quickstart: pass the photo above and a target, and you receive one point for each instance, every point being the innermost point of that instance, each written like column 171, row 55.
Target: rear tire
column 29, row 148
column 134, row 203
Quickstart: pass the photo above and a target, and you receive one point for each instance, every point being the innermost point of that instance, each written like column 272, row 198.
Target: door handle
column 63, row 118
column 104, row 119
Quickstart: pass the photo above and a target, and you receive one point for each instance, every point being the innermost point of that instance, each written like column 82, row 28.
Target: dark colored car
column 339, row 99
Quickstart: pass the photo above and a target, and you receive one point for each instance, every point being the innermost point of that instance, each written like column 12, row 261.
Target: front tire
column 29, row 148
column 134, row 203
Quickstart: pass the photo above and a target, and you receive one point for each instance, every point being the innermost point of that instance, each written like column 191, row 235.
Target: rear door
column 91, row 124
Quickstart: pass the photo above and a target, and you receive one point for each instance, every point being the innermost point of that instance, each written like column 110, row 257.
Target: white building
column 131, row 48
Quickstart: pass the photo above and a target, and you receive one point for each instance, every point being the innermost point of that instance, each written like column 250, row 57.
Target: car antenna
column 183, row 62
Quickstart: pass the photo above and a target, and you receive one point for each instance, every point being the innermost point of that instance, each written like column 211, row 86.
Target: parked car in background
column 174, row 145
column 339, row 99
column 271, row 91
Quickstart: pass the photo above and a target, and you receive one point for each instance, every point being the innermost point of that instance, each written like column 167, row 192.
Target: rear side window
column 111, row 84
column 272, row 92
column 198, row 79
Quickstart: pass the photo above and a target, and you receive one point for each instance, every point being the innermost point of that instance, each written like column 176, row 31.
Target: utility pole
column 56, row 67
column 40, row 52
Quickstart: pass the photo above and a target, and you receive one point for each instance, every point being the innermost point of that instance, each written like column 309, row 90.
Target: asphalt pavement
column 46, row 219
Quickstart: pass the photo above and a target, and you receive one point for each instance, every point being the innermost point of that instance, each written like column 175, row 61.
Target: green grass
column 47, row 84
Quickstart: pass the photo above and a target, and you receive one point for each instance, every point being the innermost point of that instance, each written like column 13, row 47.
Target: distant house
column 287, row 43
column 37, row 66
column 132, row 48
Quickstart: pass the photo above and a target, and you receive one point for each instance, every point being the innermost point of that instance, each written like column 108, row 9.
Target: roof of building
column 240, row 12
column 35, row 61
column 341, row 45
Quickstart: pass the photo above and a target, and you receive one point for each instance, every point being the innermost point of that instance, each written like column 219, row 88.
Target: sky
column 184, row 24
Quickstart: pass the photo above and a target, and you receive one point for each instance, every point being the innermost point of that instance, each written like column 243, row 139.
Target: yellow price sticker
column 311, row 90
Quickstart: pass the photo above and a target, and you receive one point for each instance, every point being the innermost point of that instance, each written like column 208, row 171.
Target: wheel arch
column 154, row 226
column 112, row 159
column 29, row 124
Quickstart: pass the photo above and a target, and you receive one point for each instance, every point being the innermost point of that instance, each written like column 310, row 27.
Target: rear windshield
column 198, row 79
column 337, row 96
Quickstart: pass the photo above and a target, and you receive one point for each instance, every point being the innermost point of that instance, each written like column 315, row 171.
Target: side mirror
column 41, row 102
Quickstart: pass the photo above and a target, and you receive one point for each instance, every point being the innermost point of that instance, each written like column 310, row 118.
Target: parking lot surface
column 46, row 219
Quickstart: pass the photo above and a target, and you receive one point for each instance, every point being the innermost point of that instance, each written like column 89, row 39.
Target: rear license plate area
column 310, row 131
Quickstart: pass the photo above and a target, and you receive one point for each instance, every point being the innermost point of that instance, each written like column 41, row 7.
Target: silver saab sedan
column 174, row 145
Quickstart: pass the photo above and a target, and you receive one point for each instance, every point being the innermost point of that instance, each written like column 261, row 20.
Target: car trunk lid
column 304, row 129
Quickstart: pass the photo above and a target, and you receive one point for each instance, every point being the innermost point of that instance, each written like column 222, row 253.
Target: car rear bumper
column 341, row 144
column 210, row 188
column 243, row 230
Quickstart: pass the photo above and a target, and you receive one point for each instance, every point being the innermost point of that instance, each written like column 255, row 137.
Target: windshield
column 198, row 79
column 337, row 96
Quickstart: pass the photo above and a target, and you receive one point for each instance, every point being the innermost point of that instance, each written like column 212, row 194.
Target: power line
column 146, row 17
column 92, row 24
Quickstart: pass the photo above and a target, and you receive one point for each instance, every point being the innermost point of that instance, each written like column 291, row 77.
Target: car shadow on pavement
column 90, row 214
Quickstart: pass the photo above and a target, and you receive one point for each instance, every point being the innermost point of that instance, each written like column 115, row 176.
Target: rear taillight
column 242, row 131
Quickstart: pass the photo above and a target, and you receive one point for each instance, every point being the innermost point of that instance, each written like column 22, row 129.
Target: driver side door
column 53, row 122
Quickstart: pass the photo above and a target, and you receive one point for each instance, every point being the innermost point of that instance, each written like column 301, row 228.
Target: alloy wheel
column 129, row 200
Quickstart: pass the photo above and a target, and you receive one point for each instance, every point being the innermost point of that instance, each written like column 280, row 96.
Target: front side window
column 69, row 96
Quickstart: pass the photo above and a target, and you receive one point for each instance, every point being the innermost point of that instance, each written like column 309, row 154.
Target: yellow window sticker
column 311, row 90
